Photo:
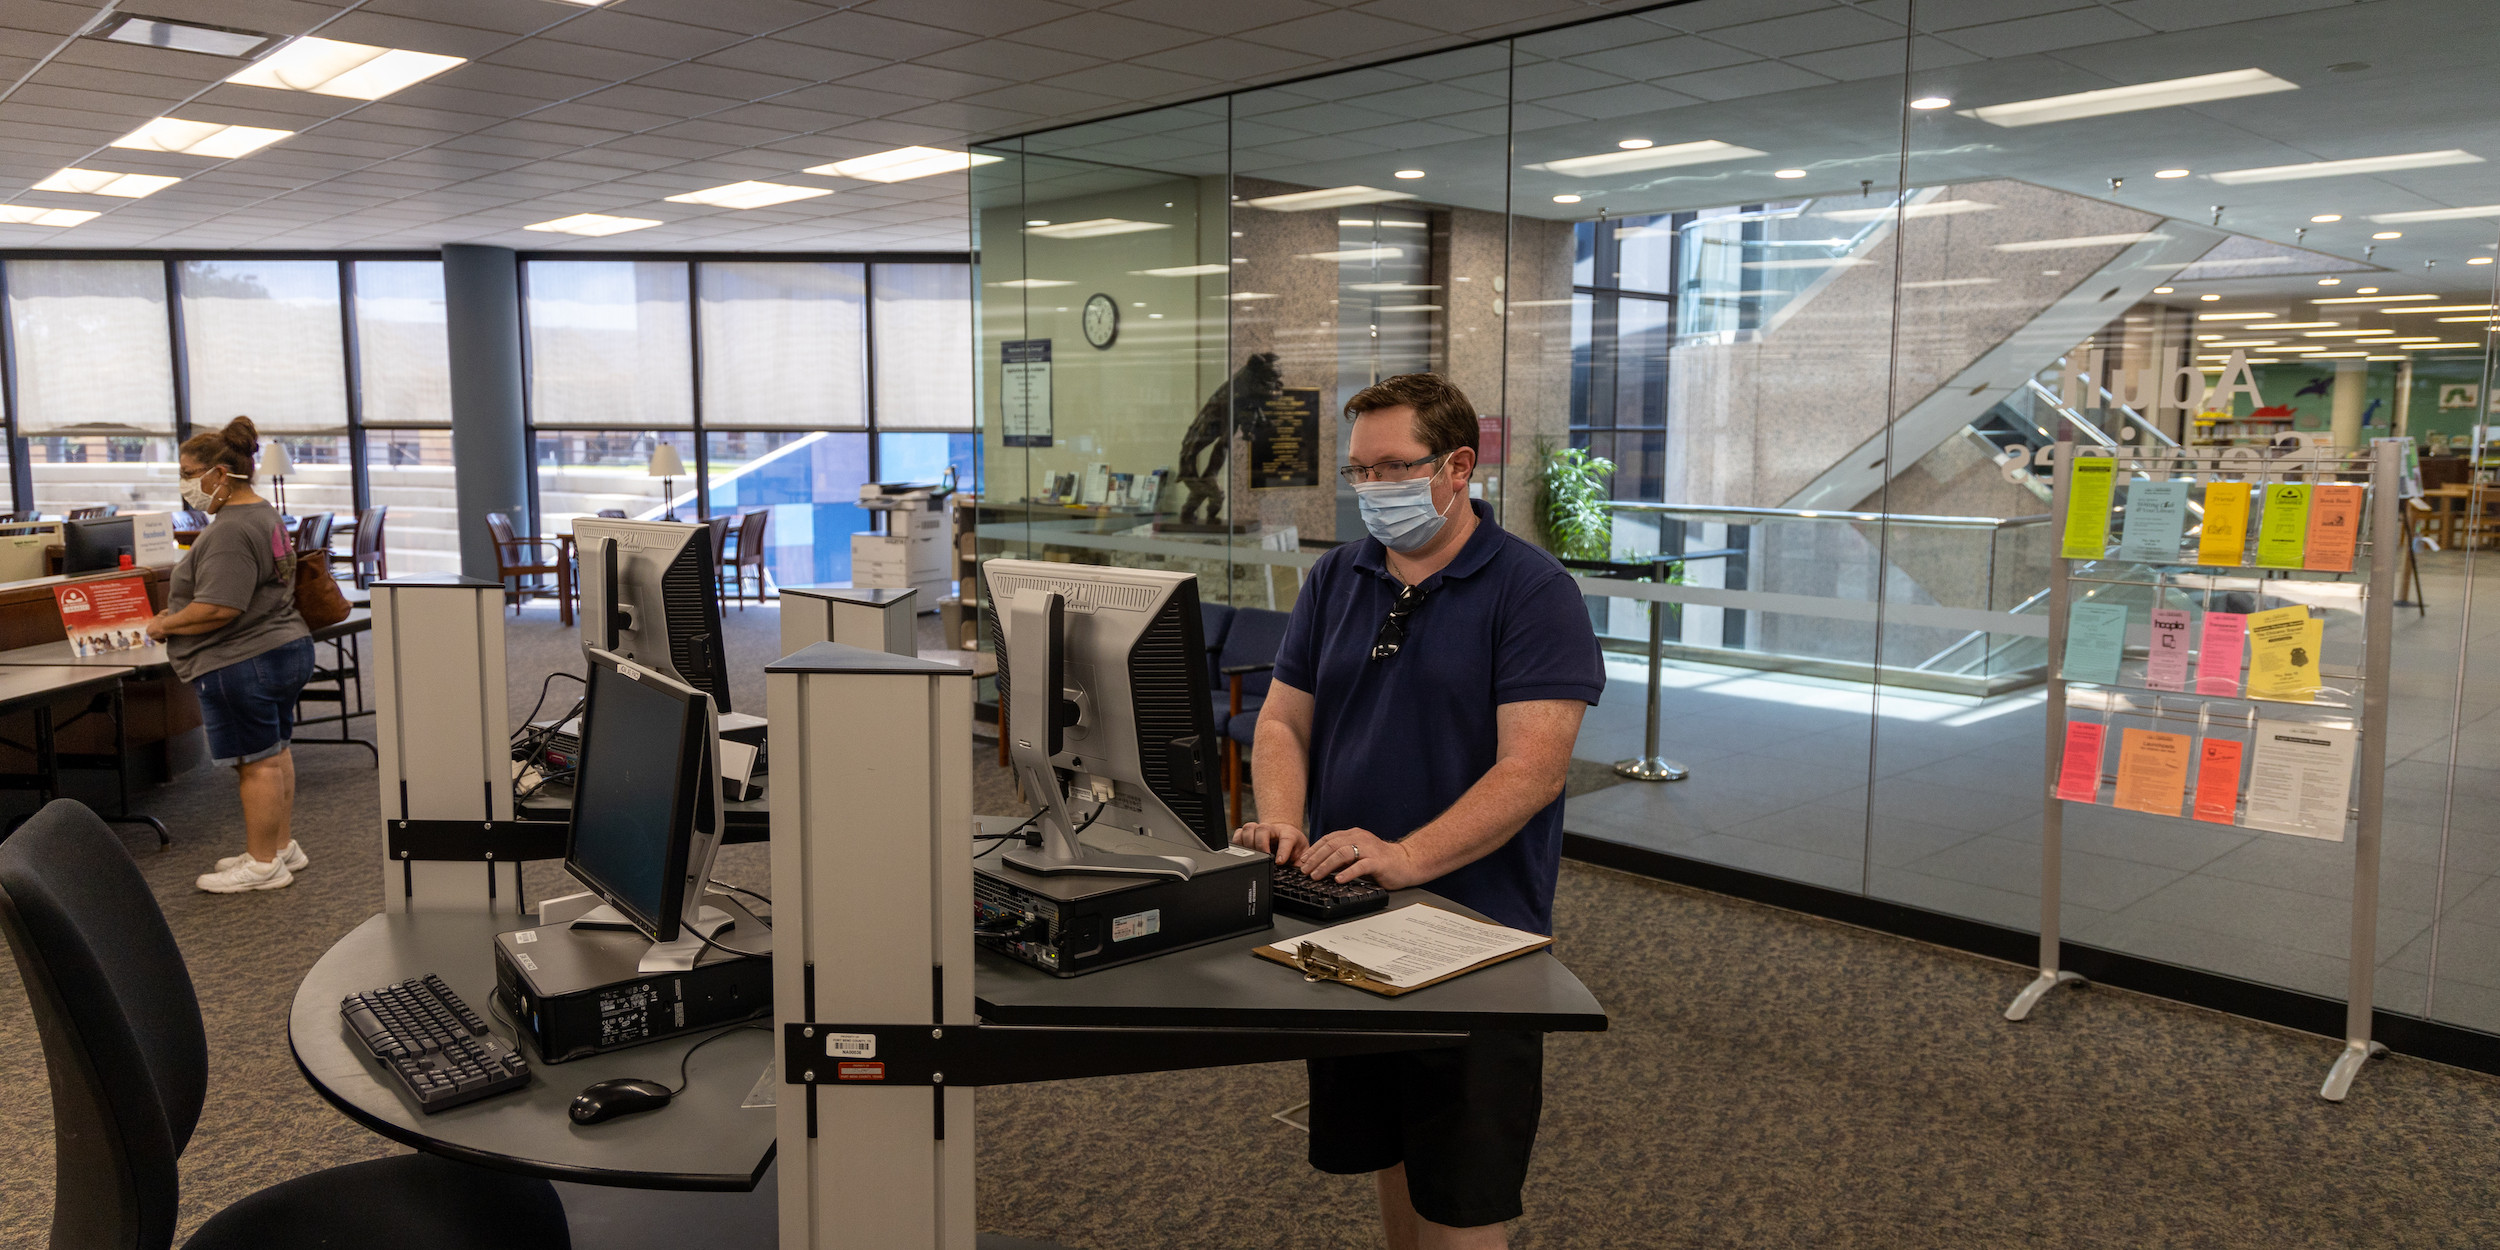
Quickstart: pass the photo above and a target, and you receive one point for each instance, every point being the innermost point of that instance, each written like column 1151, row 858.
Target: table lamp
column 668, row 468
column 275, row 463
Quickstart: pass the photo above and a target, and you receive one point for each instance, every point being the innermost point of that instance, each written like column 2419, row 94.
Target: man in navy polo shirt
column 1425, row 701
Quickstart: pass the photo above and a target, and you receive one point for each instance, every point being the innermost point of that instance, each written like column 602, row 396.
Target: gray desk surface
column 703, row 1140
column 138, row 661
column 357, row 621
column 21, row 685
column 1223, row 985
column 749, row 821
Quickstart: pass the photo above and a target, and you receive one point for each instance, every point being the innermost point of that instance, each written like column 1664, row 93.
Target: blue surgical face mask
column 1400, row 514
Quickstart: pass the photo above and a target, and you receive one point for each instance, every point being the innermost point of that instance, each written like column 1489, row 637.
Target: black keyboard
column 1318, row 898
column 433, row 1043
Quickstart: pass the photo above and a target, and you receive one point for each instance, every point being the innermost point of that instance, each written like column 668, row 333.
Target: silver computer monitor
column 651, row 595
column 1130, row 724
column 646, row 817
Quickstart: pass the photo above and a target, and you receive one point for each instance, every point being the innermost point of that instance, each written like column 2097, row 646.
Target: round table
column 702, row 1140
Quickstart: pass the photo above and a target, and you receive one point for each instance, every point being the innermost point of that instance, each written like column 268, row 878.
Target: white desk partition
column 445, row 746
column 865, row 617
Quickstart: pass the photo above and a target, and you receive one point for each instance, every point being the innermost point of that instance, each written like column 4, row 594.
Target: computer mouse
column 623, row 1096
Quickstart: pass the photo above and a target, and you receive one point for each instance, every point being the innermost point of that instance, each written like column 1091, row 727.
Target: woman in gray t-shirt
column 232, row 631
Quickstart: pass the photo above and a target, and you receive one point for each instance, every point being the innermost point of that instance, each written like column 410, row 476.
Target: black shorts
column 1462, row 1121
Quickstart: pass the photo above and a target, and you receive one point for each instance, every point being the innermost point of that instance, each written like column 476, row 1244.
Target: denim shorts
column 248, row 707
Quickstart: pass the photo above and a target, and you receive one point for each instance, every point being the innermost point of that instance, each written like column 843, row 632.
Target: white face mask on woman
column 196, row 496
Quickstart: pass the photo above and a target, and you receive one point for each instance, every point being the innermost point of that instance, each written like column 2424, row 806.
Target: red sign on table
column 106, row 615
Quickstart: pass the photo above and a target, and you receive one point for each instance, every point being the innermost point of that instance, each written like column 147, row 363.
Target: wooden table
column 2447, row 503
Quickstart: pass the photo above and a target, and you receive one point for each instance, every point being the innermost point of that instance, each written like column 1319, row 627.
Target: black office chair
column 129, row 1059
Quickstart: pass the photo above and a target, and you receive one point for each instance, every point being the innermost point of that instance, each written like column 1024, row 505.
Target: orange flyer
column 2152, row 771
column 2334, row 526
column 105, row 615
column 2218, row 781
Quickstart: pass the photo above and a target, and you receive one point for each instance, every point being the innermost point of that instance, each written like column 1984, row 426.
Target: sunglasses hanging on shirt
column 1393, row 630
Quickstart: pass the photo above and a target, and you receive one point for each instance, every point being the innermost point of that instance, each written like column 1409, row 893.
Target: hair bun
column 242, row 435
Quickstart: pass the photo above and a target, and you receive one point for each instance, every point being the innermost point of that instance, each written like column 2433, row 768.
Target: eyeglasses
column 1392, row 633
column 1386, row 470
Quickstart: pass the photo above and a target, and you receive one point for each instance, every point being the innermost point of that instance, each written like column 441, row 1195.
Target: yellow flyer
column 2283, row 649
column 2225, row 538
column 2284, row 529
column 2088, row 483
column 2152, row 771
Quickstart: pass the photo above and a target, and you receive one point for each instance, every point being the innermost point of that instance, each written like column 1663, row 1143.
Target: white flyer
column 1418, row 943
column 2301, row 780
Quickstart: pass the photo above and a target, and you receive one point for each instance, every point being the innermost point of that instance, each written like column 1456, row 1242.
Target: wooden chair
column 613, row 514
column 370, row 560
column 1245, row 663
column 719, row 524
column 313, row 532
column 750, row 555
column 90, row 514
column 517, row 558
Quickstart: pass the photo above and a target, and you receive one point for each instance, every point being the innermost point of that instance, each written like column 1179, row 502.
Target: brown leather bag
column 317, row 597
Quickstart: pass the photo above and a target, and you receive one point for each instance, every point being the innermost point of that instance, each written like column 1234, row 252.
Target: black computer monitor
column 100, row 543
column 1124, row 652
column 646, row 809
column 651, row 595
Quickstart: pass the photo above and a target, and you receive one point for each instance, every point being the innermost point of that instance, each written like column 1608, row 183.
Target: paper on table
column 2334, row 526
column 1419, row 942
column 2079, row 773
column 2284, row 527
column 2166, row 660
column 2218, row 655
column 2283, row 648
column 2088, row 481
column 2224, row 540
column 2218, row 781
column 2301, row 779
column 2152, row 771
column 2095, row 634
column 2156, row 517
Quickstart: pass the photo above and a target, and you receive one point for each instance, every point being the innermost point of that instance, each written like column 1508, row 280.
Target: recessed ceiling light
column 1931, row 102
column 2382, row 358
column 593, row 224
column 2327, row 217
column 1326, row 197
column 1409, row 173
column 106, row 182
column 2171, row 173
column 1600, row 164
column 2345, row 334
column 1183, row 271
column 1095, row 228
column 2424, row 347
column 2294, row 325
column 25, row 215
column 2479, row 260
column 2441, row 308
column 2209, row 298
column 2167, row 93
column 2164, row 290
column 156, row 32
column 2246, row 316
column 172, row 134
column 1044, row 221
column 1633, row 145
column 2332, row 355
column 2330, row 282
column 2219, row 341
column 2369, row 295
column 903, row 164
column 748, row 195
column 2202, row 337
column 1932, row 208
column 2389, row 234
column 1788, row 173
column 2360, row 165
column 2081, row 240
column 2371, row 290
column 1566, row 199
column 353, row 71
column 2437, row 214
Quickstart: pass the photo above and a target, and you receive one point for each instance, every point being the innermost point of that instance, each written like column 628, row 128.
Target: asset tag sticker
column 853, row 1071
column 522, row 958
column 1142, row 924
column 850, row 1045
column 525, row 935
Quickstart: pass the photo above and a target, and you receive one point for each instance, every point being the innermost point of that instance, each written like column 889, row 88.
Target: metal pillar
column 482, row 307
column 1652, row 766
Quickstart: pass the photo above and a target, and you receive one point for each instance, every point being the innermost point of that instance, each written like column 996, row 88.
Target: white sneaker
column 293, row 857
column 251, row 874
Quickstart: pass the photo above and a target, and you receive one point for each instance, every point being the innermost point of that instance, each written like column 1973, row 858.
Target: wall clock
column 1102, row 321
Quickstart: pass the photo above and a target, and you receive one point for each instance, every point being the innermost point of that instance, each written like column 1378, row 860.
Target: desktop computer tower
column 1072, row 924
column 579, row 991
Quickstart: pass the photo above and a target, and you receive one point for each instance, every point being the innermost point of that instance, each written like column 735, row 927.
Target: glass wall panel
column 403, row 358
column 409, row 471
column 92, row 347
column 263, row 340
column 586, row 472
column 132, row 473
column 924, row 347
column 611, row 345
column 811, row 483
column 784, row 345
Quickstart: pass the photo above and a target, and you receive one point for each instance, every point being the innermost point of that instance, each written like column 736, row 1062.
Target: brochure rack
column 2345, row 699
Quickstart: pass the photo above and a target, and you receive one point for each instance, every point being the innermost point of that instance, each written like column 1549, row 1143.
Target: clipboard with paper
column 1401, row 951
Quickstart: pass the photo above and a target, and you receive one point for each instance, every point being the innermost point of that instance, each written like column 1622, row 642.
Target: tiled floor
column 1781, row 776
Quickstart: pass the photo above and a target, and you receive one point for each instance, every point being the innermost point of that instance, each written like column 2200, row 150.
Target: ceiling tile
column 747, row 17
column 870, row 35
column 793, row 60
column 631, row 32
column 1219, row 19
column 1809, row 32
column 2047, row 33
column 578, row 59
column 923, row 82
column 1134, row 82
column 491, row 15
column 391, row 31
column 1107, row 34
column 1712, row 14
column 989, row 18
column 721, row 80
column 1758, row 78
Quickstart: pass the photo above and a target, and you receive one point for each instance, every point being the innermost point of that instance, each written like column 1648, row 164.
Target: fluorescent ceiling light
column 25, row 215
column 2344, row 334
column 156, row 32
column 106, row 182
column 1183, row 271
column 1932, row 208
column 1406, row 308
column 1408, row 173
column 2362, row 165
column 2423, row 347
column 748, row 195
column 1600, row 164
column 593, row 224
column 1092, row 227
column 2085, row 240
column 903, row 164
column 1934, row 283
column 2486, row 317
column 1392, row 286
column 2371, row 299
column 2444, row 308
column 2433, row 214
column 1325, row 197
column 2167, row 93
column 2172, row 173
column 1808, row 262
column 2325, row 218
column 172, row 134
column 2401, row 338
column 1566, row 199
column 1788, row 173
column 2331, row 355
column 1928, row 103
column 2241, row 343
column 2291, row 325
column 1355, row 254
column 1033, row 284
column 353, row 71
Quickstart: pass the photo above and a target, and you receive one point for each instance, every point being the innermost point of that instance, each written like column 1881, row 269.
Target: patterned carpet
column 1771, row 1080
